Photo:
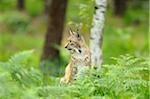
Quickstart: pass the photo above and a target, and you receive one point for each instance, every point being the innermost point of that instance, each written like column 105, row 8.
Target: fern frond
column 20, row 57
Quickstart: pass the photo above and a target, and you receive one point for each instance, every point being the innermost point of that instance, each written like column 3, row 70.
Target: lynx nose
column 65, row 46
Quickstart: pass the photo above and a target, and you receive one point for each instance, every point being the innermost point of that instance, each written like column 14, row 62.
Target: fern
column 20, row 57
column 16, row 67
column 128, row 78
column 125, row 78
column 15, row 78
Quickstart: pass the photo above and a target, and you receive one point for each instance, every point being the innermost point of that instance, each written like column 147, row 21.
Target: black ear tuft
column 78, row 35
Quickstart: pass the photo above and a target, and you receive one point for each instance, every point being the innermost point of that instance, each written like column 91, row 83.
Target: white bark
column 96, row 33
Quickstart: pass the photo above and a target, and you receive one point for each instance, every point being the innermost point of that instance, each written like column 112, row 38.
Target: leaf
column 20, row 57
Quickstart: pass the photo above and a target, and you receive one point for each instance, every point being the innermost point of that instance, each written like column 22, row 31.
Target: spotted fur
column 80, row 56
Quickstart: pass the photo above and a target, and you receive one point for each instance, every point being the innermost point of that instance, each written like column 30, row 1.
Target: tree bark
column 20, row 4
column 56, row 16
column 47, row 3
column 120, row 7
column 97, row 33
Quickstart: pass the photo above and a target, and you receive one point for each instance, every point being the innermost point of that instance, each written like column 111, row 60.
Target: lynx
column 80, row 56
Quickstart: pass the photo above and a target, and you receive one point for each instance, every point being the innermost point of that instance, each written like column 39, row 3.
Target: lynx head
column 74, row 43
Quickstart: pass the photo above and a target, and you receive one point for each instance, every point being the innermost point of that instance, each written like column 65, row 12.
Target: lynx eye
column 70, row 41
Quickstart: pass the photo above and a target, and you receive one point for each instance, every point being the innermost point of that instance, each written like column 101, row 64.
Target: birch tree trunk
column 97, row 33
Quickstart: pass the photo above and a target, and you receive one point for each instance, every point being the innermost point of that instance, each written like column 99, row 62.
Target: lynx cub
column 80, row 56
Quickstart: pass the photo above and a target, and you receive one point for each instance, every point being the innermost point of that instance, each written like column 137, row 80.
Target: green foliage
column 135, row 18
column 6, row 4
column 35, row 7
column 19, row 70
column 121, row 39
column 80, row 12
column 15, row 21
column 32, row 7
column 127, row 78
column 12, row 44
column 17, row 76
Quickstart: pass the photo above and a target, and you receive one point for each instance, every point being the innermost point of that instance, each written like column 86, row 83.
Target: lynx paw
column 64, row 81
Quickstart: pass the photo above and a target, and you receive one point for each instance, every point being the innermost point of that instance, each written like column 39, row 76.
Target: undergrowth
column 127, row 78
column 15, row 21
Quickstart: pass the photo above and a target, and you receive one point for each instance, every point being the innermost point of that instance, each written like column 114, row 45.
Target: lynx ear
column 78, row 35
column 74, row 33
column 71, row 32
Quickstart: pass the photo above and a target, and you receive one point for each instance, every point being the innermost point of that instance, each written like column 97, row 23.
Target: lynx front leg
column 68, row 75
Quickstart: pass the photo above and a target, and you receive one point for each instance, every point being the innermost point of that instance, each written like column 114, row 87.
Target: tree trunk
column 47, row 3
column 56, row 16
column 97, row 33
column 120, row 7
column 20, row 4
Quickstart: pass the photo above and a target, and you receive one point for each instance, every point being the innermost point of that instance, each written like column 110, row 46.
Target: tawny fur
column 80, row 56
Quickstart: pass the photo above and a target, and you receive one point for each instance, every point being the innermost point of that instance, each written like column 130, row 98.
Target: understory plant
column 127, row 78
